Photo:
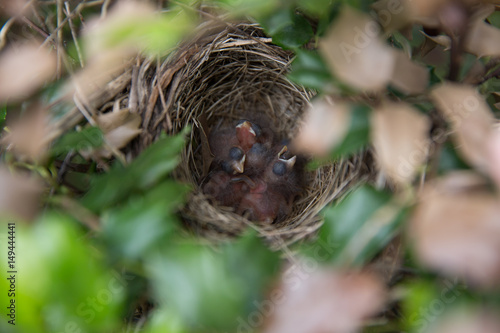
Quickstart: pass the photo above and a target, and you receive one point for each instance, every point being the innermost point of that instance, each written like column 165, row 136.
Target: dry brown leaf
column 325, row 125
column 456, row 229
column 393, row 14
column 325, row 301
column 19, row 195
column 27, row 137
column 467, row 321
column 24, row 68
column 355, row 52
column 400, row 135
column 98, row 72
column 483, row 39
column 119, row 128
column 471, row 120
column 13, row 8
column 425, row 8
column 442, row 40
column 408, row 76
column 494, row 156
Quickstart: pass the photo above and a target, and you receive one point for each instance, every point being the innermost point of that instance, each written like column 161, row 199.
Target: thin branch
column 73, row 34
column 33, row 26
column 59, row 38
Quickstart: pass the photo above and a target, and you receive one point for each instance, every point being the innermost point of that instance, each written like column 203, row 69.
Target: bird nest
column 220, row 76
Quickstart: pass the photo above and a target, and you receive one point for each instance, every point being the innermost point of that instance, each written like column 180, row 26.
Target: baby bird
column 227, row 151
column 276, row 188
column 227, row 190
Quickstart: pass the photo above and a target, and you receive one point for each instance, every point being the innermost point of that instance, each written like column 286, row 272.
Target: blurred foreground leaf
column 3, row 115
column 144, row 220
column 292, row 32
column 358, row 227
column 60, row 284
column 358, row 136
column 309, row 70
column 213, row 290
column 152, row 165
column 90, row 137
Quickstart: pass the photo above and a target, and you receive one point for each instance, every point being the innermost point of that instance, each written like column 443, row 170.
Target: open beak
column 245, row 179
column 248, row 126
column 289, row 162
column 239, row 166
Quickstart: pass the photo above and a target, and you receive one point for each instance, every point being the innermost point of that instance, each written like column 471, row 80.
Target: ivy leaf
column 294, row 34
column 132, row 229
column 152, row 165
column 90, row 137
column 358, row 227
column 211, row 290
column 358, row 136
column 3, row 115
column 310, row 70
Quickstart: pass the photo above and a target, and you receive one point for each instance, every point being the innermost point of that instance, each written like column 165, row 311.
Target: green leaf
column 449, row 160
column 358, row 227
column 164, row 321
column 358, row 136
column 316, row 7
column 151, row 166
column 294, row 34
column 61, row 283
column 494, row 19
column 144, row 221
column 155, row 34
column 213, row 290
column 309, row 70
column 90, row 137
column 277, row 21
column 255, row 8
column 3, row 115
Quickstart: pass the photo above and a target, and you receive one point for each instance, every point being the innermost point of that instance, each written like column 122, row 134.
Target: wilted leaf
column 24, row 68
column 467, row 321
column 325, row 125
column 19, row 195
column 27, row 136
column 356, row 53
column 400, row 137
column 325, row 301
column 494, row 156
column 393, row 15
column 456, row 228
column 471, row 120
column 408, row 76
column 483, row 39
column 13, row 8
column 425, row 7
column 98, row 72
column 119, row 128
column 442, row 40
